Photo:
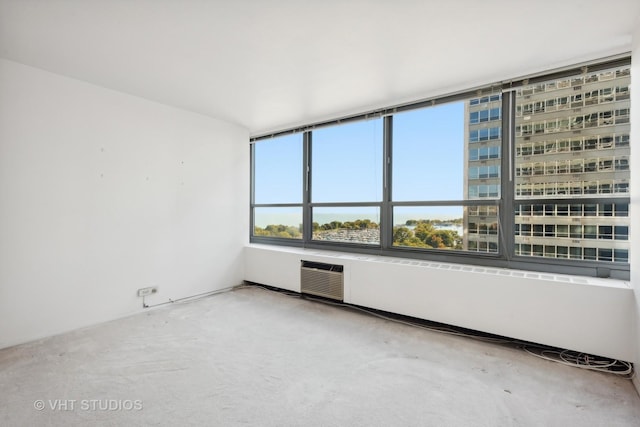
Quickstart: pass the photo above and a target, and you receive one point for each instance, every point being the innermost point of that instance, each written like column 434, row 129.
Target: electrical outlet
column 143, row 292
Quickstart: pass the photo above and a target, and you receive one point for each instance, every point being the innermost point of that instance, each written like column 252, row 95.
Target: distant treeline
column 420, row 233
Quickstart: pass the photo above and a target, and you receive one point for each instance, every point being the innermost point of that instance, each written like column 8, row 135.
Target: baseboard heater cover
column 320, row 279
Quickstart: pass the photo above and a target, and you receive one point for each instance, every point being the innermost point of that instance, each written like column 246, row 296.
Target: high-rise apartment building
column 483, row 142
column 571, row 169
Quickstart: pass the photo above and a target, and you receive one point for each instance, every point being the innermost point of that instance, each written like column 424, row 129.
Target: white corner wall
column 102, row 193
column 634, row 230
column 577, row 313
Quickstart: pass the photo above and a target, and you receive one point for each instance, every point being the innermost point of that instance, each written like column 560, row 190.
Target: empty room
column 336, row 213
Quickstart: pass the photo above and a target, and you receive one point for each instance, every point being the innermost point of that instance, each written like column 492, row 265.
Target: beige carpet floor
column 252, row 357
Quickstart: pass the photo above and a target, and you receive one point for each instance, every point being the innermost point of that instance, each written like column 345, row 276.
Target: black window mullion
column 506, row 216
column 252, row 191
column 307, row 225
column 386, row 214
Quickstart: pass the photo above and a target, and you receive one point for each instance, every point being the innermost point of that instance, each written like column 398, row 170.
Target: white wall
column 578, row 313
column 634, row 229
column 102, row 193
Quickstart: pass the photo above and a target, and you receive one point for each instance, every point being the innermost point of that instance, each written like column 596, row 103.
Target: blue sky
column 278, row 171
column 347, row 163
column 428, row 157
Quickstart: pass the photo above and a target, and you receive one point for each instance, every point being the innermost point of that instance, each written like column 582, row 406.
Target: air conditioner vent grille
column 325, row 280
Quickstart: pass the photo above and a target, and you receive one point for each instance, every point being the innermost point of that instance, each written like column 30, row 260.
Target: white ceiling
column 273, row 64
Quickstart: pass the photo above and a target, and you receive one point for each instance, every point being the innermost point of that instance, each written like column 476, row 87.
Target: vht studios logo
column 88, row 405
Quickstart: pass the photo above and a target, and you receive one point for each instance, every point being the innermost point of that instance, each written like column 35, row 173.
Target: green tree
column 448, row 237
column 414, row 242
column 335, row 225
column 400, row 234
column 423, row 230
column 435, row 241
column 279, row 230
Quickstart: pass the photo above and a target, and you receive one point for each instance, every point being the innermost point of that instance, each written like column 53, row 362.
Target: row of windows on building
column 577, row 100
column 559, row 231
column 555, row 251
column 486, row 134
column 484, row 153
column 582, row 143
column 482, row 211
column 575, row 188
column 573, row 82
column 550, row 189
column 576, row 122
column 488, row 228
column 485, row 99
column 601, row 95
column 482, row 246
column 487, row 115
column 576, row 231
column 557, row 167
column 572, row 209
column 484, row 191
column 572, row 252
column 484, row 172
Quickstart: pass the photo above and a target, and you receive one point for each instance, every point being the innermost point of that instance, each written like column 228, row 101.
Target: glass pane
column 278, row 170
column 586, row 155
column 621, row 255
column 278, row 222
column 347, row 224
column 347, row 163
column 447, row 228
column 428, row 150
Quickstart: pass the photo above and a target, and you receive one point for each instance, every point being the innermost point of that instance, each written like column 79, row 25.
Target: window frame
column 510, row 254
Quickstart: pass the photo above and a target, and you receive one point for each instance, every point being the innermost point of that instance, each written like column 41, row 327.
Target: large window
column 443, row 165
column 277, row 187
column 346, row 168
column 530, row 175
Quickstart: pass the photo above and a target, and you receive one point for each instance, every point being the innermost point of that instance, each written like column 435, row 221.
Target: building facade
column 571, row 169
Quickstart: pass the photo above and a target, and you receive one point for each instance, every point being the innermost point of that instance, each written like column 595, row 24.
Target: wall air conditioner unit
column 324, row 280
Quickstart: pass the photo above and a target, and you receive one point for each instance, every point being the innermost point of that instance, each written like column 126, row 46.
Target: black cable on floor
column 563, row 356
